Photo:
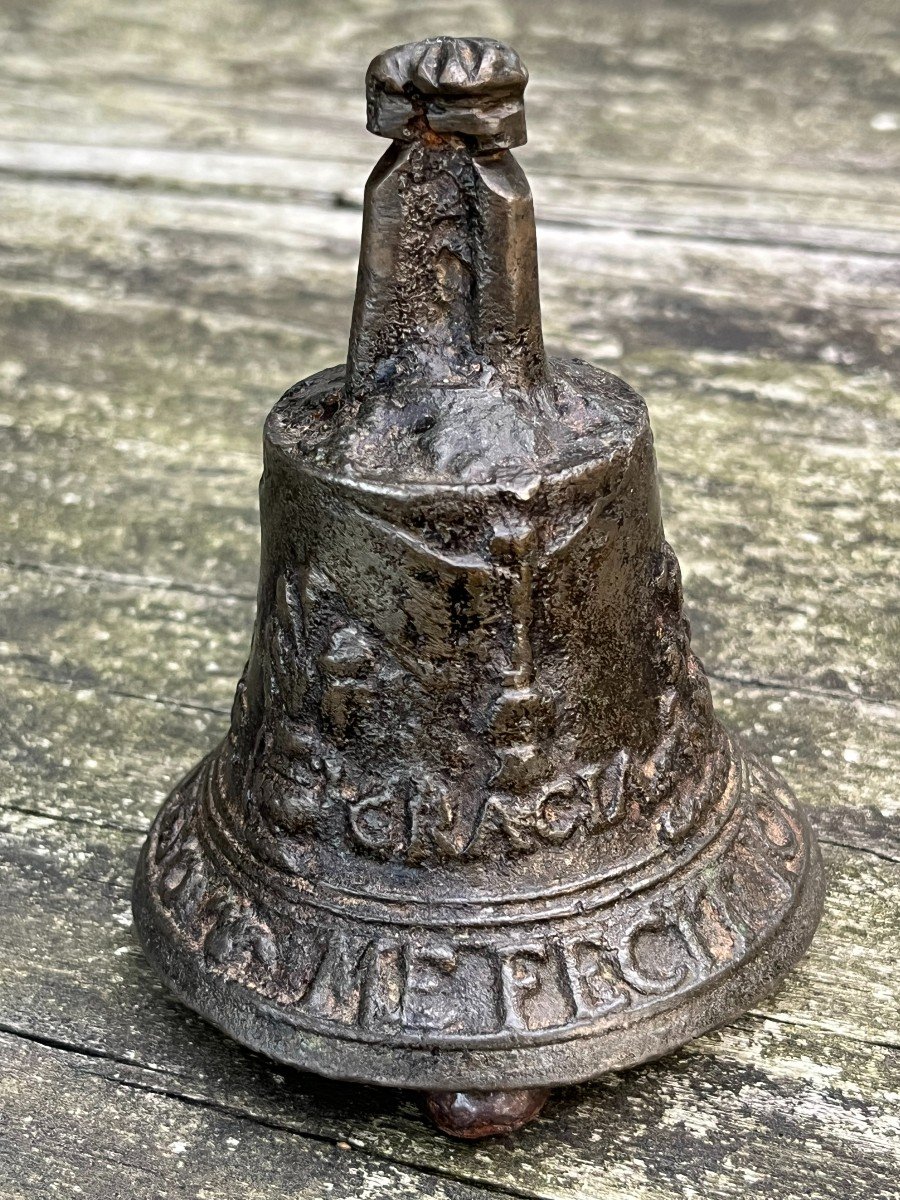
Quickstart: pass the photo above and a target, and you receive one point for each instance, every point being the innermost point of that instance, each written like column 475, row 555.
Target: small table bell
column 475, row 829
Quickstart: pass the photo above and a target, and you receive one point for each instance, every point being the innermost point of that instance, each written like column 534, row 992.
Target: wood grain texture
column 789, row 95
column 124, row 1135
column 89, row 666
column 750, row 1088
column 718, row 223
column 765, row 449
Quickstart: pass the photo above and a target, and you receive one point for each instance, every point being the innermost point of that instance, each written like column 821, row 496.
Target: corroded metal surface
column 472, row 1115
column 475, row 825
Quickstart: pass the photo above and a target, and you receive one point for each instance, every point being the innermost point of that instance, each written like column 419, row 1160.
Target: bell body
column 475, row 824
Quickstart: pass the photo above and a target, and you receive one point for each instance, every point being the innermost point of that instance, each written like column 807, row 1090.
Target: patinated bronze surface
column 475, row 828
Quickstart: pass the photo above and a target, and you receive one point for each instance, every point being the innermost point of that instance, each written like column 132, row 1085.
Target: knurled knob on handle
column 472, row 88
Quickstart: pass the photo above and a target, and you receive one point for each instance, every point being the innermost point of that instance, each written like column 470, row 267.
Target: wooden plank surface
column 797, row 96
column 72, row 977
column 173, row 328
column 718, row 222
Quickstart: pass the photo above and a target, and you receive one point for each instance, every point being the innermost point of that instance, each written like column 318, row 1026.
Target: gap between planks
column 249, row 178
column 244, row 1114
column 238, row 1113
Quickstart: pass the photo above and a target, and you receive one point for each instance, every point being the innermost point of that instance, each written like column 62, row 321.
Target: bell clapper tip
column 472, row 1115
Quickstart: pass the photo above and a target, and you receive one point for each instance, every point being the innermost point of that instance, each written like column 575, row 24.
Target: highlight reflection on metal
column 475, row 828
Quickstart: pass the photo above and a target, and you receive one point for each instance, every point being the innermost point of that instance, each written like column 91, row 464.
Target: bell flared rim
column 631, row 980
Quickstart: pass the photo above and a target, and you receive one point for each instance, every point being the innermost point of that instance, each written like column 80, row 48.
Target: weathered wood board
column 104, row 458
column 718, row 220
column 73, row 978
column 730, row 95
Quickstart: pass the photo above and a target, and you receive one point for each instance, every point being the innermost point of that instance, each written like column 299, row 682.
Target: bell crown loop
column 470, row 88
column 447, row 375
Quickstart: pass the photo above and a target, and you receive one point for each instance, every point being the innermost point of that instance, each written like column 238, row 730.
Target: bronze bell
column 475, row 829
